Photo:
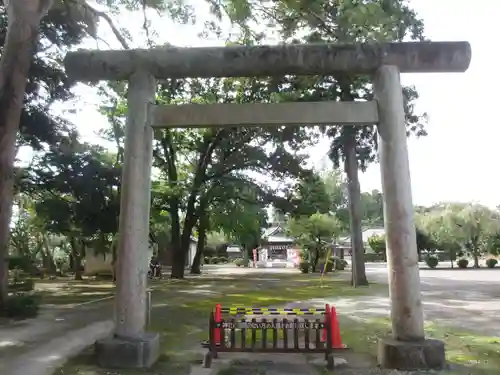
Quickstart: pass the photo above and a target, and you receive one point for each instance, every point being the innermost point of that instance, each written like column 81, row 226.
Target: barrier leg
column 327, row 318
column 207, row 360
column 218, row 319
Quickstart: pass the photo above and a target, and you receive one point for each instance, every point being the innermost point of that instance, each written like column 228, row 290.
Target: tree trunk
column 354, row 197
column 476, row 259
column 48, row 262
column 177, row 259
column 76, row 254
column 114, row 256
column 315, row 260
column 51, row 265
column 196, row 266
column 22, row 33
column 189, row 222
column 200, row 246
column 178, row 262
column 180, row 249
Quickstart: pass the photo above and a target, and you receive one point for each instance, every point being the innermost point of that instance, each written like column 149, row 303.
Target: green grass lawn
column 181, row 317
column 62, row 292
column 467, row 352
column 182, row 309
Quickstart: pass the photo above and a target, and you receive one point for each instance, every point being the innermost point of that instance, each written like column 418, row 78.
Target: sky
column 458, row 159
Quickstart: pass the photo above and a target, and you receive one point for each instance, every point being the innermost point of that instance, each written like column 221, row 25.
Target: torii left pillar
column 131, row 346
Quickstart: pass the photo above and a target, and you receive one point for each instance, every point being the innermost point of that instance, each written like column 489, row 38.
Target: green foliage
column 214, row 260
column 222, row 260
column 77, row 189
column 372, row 207
column 339, row 264
column 463, row 263
column 304, row 266
column 350, row 22
column 315, row 229
column 326, row 266
column 207, row 260
column 239, row 262
column 22, row 306
column 315, row 234
column 23, row 263
column 309, row 197
column 491, row 262
column 460, row 228
column 377, row 244
column 424, row 240
column 47, row 81
column 205, row 172
column 493, row 242
column 432, row 261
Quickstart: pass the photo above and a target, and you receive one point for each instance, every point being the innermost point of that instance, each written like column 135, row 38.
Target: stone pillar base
column 416, row 355
column 118, row 352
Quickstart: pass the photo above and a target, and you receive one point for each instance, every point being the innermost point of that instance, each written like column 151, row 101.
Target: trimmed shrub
column 26, row 285
column 329, row 267
column 215, row 260
column 207, row 260
column 21, row 263
column 22, row 306
column 223, row 260
column 431, row 261
column 338, row 263
column 491, row 262
column 239, row 262
column 304, row 266
column 463, row 263
column 377, row 244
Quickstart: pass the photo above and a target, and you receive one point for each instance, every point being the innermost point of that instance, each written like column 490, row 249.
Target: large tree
column 27, row 91
column 76, row 187
column 195, row 163
column 240, row 213
column 315, row 233
column 348, row 22
column 461, row 228
column 43, row 29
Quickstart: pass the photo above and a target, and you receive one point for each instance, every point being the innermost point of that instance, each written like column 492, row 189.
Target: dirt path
column 59, row 332
column 22, row 339
column 469, row 299
column 39, row 346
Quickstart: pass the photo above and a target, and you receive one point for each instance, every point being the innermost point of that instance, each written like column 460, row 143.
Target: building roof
column 233, row 249
column 276, row 234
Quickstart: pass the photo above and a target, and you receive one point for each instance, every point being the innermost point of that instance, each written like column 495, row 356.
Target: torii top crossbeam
column 255, row 61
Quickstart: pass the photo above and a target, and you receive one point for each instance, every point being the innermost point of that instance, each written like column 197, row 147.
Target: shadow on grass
column 181, row 330
column 182, row 319
column 467, row 352
column 75, row 292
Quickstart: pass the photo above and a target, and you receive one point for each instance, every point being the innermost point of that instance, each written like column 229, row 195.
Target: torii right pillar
column 407, row 348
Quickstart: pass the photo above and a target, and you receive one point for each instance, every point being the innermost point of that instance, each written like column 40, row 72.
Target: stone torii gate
column 131, row 346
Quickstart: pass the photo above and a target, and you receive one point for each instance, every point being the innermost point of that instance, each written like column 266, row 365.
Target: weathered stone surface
column 118, row 352
column 260, row 114
column 131, row 296
column 415, row 355
column 252, row 61
column 401, row 242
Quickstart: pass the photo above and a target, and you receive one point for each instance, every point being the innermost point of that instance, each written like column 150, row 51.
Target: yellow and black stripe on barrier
column 271, row 311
